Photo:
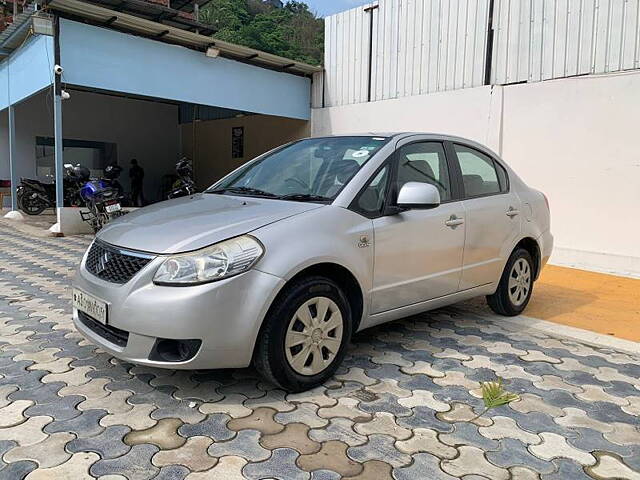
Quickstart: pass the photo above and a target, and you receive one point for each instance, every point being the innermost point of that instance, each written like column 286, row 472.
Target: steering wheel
column 298, row 181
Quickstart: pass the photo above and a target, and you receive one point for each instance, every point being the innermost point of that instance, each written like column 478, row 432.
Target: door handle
column 512, row 212
column 454, row 221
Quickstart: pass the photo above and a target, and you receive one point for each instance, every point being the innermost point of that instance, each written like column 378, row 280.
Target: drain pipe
column 370, row 10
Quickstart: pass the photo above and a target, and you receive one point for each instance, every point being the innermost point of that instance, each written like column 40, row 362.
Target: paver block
column 402, row 404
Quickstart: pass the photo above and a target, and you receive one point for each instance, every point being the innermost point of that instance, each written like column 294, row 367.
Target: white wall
column 574, row 139
column 141, row 129
column 461, row 112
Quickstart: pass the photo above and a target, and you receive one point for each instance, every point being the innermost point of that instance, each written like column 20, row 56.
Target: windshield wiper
column 245, row 191
column 304, row 197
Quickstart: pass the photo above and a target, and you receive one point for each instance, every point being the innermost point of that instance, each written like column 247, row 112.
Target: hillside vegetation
column 292, row 31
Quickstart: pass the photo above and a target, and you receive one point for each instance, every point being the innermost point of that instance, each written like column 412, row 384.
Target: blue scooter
column 99, row 196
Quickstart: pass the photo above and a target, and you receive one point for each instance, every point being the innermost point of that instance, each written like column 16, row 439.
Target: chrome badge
column 101, row 265
column 364, row 241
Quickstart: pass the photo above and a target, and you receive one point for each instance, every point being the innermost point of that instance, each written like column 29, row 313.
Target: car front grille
column 114, row 264
column 110, row 334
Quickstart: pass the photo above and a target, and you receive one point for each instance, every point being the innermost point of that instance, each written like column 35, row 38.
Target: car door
column 493, row 218
column 418, row 253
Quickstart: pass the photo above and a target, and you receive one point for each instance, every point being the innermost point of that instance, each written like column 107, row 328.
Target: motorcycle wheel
column 96, row 221
column 103, row 219
column 31, row 206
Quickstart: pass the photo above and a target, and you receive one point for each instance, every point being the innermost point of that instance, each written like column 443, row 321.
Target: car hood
column 190, row 223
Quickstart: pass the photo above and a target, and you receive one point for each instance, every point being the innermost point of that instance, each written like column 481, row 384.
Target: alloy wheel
column 314, row 336
column 519, row 282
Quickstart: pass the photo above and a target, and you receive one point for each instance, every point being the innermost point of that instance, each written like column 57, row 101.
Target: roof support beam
column 162, row 34
column 110, row 20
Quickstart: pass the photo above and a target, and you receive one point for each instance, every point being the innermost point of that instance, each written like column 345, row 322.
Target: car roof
column 430, row 135
column 398, row 135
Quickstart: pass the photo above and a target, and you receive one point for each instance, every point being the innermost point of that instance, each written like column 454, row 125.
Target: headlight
column 216, row 262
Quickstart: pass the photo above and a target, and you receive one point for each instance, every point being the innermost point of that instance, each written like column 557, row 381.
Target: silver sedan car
column 281, row 261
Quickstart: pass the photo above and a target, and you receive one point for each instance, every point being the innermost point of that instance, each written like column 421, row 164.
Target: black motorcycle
column 111, row 175
column 184, row 186
column 34, row 196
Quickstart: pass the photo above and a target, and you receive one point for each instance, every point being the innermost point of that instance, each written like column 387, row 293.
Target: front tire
column 516, row 285
column 305, row 334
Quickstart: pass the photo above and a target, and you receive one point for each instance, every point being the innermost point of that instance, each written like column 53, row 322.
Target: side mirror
column 418, row 195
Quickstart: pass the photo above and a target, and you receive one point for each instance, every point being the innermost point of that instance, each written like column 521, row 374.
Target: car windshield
column 314, row 169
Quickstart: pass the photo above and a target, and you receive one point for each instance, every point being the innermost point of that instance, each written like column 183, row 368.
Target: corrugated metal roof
column 13, row 36
column 156, row 11
column 167, row 33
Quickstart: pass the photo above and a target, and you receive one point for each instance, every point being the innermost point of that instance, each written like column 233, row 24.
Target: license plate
column 90, row 305
column 114, row 207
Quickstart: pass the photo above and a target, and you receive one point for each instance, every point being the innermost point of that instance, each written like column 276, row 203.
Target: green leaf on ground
column 494, row 394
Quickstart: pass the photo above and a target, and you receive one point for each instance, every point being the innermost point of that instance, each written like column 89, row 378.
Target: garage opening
column 104, row 128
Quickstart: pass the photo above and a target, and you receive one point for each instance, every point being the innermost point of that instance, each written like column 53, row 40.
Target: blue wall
column 27, row 71
column 106, row 59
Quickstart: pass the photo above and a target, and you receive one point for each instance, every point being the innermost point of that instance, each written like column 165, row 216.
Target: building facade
column 85, row 82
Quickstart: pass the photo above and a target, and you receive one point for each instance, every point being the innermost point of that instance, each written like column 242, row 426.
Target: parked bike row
column 103, row 198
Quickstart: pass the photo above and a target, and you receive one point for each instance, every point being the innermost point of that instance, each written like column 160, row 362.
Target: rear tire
column 305, row 334
column 516, row 285
column 31, row 206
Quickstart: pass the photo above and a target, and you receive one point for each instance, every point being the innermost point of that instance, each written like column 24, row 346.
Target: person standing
column 136, row 175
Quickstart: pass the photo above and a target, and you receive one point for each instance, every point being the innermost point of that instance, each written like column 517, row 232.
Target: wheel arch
column 347, row 282
column 531, row 246
column 345, row 279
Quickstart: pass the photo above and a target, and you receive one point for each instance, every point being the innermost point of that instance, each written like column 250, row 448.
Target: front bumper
column 225, row 315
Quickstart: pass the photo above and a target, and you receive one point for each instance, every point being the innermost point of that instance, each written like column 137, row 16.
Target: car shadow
column 375, row 356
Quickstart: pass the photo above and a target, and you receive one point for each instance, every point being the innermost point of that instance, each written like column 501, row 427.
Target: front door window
column 424, row 162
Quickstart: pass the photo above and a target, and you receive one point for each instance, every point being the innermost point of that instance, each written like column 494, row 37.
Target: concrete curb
column 24, row 227
column 585, row 336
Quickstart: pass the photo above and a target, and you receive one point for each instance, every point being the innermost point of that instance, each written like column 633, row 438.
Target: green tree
column 227, row 17
column 293, row 31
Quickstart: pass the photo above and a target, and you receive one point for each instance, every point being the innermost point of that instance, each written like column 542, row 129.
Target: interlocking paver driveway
column 402, row 406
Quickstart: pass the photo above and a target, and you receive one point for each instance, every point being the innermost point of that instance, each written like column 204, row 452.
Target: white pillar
column 12, row 158
column 58, row 157
column 58, row 148
column 14, row 214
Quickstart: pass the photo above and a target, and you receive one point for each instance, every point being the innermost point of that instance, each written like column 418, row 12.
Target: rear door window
column 480, row 173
